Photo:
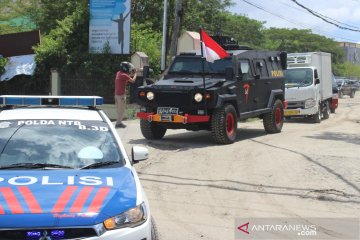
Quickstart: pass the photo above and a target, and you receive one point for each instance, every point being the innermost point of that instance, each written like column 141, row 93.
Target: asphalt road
column 197, row 189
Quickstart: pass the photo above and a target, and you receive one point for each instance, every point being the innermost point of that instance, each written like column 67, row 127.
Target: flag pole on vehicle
column 210, row 51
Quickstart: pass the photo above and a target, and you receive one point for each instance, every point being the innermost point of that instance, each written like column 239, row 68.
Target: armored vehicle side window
column 245, row 69
column 260, row 68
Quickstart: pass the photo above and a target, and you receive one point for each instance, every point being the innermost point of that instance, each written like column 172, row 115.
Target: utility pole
column 163, row 49
column 175, row 35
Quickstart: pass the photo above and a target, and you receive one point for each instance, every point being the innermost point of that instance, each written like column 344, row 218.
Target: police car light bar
column 88, row 101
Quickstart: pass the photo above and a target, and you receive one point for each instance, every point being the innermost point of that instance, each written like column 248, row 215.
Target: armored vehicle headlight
column 150, row 96
column 198, row 97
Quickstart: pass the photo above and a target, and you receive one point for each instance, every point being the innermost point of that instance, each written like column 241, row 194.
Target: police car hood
column 188, row 82
column 61, row 198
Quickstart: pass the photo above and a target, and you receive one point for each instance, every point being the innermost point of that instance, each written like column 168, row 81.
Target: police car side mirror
column 229, row 73
column 139, row 154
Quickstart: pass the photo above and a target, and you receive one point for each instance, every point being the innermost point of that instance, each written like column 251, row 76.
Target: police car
column 64, row 173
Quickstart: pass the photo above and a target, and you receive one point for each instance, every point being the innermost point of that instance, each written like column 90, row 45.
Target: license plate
column 167, row 111
column 291, row 112
column 165, row 118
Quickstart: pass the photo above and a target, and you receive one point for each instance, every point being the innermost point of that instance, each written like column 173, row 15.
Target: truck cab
column 308, row 85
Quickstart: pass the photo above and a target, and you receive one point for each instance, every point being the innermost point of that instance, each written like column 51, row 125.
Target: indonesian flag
column 211, row 50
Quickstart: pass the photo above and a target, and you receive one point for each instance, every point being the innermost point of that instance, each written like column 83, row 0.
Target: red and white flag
column 211, row 50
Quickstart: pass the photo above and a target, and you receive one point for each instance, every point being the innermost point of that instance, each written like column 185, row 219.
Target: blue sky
column 286, row 14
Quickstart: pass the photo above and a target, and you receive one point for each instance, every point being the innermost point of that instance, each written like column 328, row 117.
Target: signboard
column 110, row 25
column 18, row 44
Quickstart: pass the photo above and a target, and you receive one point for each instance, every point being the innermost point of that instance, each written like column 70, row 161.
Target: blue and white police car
column 64, row 173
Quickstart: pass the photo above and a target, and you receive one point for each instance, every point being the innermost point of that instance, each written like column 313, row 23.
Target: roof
column 45, row 113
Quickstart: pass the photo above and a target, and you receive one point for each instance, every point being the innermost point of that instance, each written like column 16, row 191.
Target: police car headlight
column 309, row 103
column 198, row 97
column 150, row 96
column 131, row 218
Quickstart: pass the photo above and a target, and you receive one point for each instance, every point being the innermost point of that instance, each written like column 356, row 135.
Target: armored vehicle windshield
column 193, row 65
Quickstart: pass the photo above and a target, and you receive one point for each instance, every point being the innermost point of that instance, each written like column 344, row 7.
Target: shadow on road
column 349, row 138
column 200, row 139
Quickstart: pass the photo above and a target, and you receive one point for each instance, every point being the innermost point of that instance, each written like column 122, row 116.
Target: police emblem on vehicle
column 167, row 110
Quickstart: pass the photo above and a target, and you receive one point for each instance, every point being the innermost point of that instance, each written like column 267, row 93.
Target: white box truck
column 308, row 86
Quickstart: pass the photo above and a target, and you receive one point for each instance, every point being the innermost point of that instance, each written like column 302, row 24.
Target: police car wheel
column 224, row 124
column 154, row 231
column 273, row 121
column 152, row 130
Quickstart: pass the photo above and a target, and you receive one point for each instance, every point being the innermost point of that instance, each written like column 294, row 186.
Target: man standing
column 126, row 74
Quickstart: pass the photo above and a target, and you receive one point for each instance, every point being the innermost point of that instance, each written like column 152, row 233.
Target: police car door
column 247, row 86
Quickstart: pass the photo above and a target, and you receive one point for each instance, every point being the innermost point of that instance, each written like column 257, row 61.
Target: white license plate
column 167, row 110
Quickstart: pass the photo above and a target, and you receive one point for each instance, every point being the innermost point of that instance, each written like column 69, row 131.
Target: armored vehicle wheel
column 326, row 112
column 273, row 121
column 152, row 130
column 224, row 124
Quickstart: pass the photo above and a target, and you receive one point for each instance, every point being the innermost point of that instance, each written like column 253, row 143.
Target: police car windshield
column 56, row 143
column 193, row 65
column 298, row 77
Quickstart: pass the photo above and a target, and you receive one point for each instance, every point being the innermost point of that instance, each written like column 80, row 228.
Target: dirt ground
column 197, row 189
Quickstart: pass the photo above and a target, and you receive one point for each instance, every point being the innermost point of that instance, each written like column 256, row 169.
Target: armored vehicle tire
column 326, row 112
column 273, row 121
column 154, row 231
column 152, row 130
column 224, row 124
column 352, row 94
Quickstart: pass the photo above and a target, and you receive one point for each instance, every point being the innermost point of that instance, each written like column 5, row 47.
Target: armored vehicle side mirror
column 317, row 81
column 229, row 73
column 146, row 71
column 283, row 60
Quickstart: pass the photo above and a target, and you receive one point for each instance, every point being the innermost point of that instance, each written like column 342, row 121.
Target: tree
column 301, row 40
column 14, row 17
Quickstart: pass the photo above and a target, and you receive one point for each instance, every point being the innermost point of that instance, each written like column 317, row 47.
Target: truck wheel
column 273, row 121
column 326, row 112
column 317, row 117
column 154, row 231
column 152, row 130
column 341, row 95
column 224, row 124
column 352, row 94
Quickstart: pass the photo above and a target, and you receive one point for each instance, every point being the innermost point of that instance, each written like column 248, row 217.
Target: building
column 352, row 52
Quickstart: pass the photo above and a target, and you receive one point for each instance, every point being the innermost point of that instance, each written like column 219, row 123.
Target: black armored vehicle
column 198, row 95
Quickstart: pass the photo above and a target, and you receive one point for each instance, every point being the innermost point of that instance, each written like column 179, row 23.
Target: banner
column 110, row 25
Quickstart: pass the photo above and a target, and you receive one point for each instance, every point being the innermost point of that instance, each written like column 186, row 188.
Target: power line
column 294, row 22
column 326, row 19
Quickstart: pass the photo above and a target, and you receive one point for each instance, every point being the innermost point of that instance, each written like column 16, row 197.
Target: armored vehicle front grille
column 66, row 233
column 173, row 99
column 293, row 105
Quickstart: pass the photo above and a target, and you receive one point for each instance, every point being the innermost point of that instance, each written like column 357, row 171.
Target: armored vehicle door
column 263, row 83
column 247, row 83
